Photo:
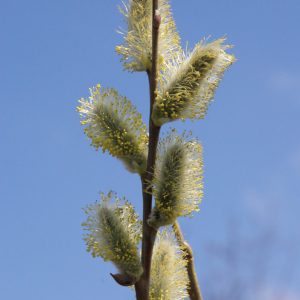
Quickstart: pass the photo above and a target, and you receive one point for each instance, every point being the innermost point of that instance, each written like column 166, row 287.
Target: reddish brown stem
column 149, row 234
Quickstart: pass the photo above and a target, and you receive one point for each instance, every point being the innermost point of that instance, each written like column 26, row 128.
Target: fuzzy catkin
column 113, row 124
column 178, row 179
column 189, row 83
column 136, row 51
column 114, row 232
column 169, row 278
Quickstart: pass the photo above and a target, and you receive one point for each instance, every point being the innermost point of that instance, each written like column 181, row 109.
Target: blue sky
column 53, row 51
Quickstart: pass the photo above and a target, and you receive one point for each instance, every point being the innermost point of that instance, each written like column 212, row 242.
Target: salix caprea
column 151, row 253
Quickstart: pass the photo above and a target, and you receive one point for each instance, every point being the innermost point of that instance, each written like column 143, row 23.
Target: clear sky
column 52, row 51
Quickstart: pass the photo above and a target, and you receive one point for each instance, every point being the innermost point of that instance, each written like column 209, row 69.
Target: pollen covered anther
column 113, row 124
column 114, row 232
column 178, row 179
column 189, row 83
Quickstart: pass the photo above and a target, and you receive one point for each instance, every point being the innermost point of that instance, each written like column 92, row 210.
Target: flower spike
column 190, row 82
column 114, row 232
column 177, row 181
column 169, row 278
column 137, row 48
column 113, row 124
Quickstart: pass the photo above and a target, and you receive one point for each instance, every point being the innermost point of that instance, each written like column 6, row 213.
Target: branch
column 194, row 288
column 149, row 234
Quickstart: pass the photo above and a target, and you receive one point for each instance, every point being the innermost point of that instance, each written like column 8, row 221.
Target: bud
column 137, row 48
column 177, row 181
column 169, row 278
column 190, row 82
column 113, row 124
column 114, row 232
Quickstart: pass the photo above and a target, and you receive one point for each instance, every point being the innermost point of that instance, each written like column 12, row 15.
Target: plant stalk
column 149, row 233
column 194, row 288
